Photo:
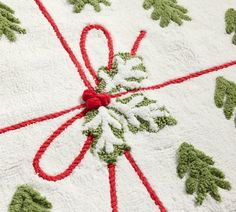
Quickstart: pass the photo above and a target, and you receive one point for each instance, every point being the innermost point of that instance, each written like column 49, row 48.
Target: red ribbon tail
column 112, row 181
column 39, row 119
column 145, row 182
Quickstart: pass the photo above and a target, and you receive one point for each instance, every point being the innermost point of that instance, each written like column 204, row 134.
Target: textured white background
column 37, row 77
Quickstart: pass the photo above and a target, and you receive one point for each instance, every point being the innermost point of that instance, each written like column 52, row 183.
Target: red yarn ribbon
column 85, row 56
column 92, row 101
column 95, row 100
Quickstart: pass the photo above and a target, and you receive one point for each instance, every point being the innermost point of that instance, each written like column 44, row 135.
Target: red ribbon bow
column 92, row 101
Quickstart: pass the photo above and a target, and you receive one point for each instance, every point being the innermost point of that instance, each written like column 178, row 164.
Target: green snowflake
column 80, row 4
column 167, row 11
column 8, row 23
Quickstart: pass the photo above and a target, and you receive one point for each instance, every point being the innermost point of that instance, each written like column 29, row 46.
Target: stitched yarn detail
column 79, row 5
column 143, row 114
column 202, row 177
column 166, row 11
column 230, row 23
column 26, row 199
column 112, row 182
column 9, row 24
column 145, row 182
column 84, row 53
column 128, row 72
column 225, row 97
column 135, row 113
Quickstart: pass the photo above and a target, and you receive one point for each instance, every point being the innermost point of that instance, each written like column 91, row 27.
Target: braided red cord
column 49, row 141
column 68, row 123
column 40, row 119
column 154, row 87
column 112, row 181
column 137, row 42
column 145, row 182
column 83, row 49
column 179, row 80
column 64, row 43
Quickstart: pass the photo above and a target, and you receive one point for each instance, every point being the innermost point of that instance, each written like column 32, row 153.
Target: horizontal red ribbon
column 89, row 140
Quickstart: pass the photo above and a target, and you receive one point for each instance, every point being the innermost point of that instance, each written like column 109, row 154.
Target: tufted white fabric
column 37, row 77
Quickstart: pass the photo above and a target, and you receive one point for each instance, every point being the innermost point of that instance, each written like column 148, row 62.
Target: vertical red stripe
column 112, row 181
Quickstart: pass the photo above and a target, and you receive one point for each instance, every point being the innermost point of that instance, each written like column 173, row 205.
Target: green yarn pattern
column 167, row 11
column 202, row 177
column 103, row 154
column 163, row 120
column 26, row 199
column 80, row 4
column 230, row 23
column 134, row 112
column 225, row 97
column 9, row 25
column 125, row 57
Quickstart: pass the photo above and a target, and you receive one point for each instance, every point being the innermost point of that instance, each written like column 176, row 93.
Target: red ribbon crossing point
column 94, row 100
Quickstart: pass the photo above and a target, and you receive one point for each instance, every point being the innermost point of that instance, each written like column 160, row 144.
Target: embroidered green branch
column 146, row 114
column 167, row 11
column 8, row 23
column 202, row 177
column 80, row 4
column 128, row 72
column 108, row 125
column 225, row 97
column 135, row 112
column 230, row 22
column 26, row 199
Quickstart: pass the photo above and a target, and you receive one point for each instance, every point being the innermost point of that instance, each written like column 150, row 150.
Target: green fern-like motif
column 109, row 125
column 9, row 25
column 167, row 11
column 230, row 22
column 80, row 4
column 202, row 177
column 26, row 199
column 225, row 97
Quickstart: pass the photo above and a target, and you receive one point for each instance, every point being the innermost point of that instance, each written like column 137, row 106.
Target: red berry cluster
column 95, row 100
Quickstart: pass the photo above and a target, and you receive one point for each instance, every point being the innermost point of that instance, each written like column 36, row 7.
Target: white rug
column 121, row 149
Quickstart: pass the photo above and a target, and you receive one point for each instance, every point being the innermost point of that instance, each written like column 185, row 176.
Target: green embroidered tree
column 80, row 4
column 225, row 96
column 26, row 199
column 202, row 177
column 9, row 25
column 230, row 22
column 167, row 11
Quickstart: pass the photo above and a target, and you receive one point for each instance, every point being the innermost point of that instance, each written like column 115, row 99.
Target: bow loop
column 84, row 53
